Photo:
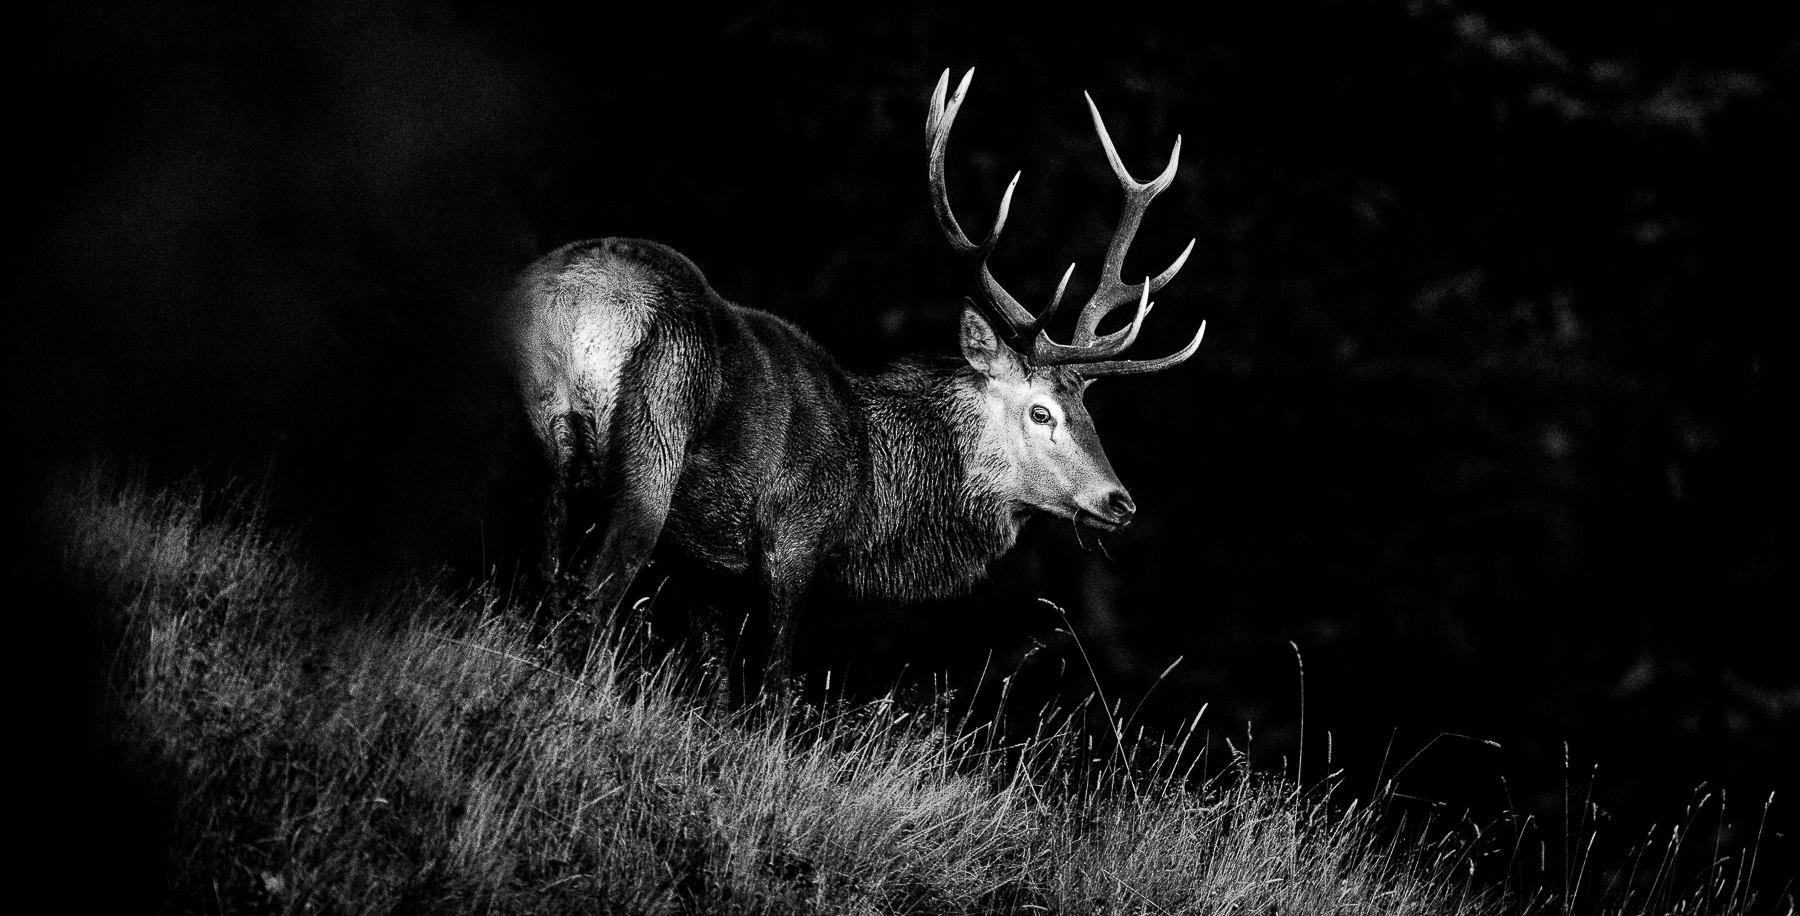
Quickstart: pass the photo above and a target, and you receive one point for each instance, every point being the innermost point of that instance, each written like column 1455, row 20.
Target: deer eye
column 1039, row 414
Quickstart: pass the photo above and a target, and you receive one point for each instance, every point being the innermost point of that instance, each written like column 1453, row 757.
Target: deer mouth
column 1100, row 522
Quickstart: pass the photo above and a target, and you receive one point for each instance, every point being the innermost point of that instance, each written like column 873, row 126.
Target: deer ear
column 984, row 349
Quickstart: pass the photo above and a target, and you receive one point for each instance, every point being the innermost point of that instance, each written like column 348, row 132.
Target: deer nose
column 1120, row 507
column 1112, row 511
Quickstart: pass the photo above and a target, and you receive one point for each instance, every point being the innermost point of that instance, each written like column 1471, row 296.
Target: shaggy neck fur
column 933, row 517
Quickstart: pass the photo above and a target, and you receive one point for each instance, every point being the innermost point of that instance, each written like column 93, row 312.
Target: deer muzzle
column 1111, row 512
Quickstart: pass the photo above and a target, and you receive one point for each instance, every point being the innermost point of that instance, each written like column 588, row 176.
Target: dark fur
column 925, row 526
column 740, row 441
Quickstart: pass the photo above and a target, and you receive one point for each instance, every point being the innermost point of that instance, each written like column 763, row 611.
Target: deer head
column 1034, row 422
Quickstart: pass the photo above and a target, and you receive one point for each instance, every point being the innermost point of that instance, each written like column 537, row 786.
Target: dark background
column 1493, row 420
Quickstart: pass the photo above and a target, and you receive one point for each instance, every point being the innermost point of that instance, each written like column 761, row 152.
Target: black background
column 1493, row 421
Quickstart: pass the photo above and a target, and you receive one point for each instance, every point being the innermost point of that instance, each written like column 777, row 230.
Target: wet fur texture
column 666, row 413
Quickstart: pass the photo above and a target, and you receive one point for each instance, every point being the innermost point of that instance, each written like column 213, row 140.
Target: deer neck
column 932, row 518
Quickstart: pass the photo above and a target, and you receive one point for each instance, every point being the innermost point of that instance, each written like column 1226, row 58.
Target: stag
column 668, row 414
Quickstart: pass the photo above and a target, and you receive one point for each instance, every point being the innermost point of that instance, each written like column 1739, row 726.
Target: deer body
column 667, row 414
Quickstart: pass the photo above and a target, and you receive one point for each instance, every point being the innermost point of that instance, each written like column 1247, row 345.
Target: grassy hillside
column 426, row 752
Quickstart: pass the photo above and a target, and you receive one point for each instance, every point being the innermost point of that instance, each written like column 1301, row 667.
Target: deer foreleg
column 714, row 654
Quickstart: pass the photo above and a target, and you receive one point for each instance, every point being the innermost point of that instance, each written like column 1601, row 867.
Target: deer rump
column 668, row 414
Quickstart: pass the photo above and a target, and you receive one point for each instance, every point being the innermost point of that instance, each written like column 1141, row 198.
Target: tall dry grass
column 430, row 753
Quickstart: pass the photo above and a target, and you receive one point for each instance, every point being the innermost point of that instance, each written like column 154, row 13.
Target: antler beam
column 1113, row 291
column 995, row 300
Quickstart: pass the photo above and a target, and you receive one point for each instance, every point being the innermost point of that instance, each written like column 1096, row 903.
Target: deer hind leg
column 788, row 572
column 557, row 440
column 646, row 444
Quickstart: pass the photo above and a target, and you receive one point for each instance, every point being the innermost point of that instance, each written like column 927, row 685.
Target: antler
column 1093, row 352
column 995, row 300
column 1088, row 348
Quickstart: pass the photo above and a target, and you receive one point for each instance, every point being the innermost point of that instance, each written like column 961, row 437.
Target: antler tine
column 1140, row 366
column 1043, row 318
column 1112, row 291
column 996, row 301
